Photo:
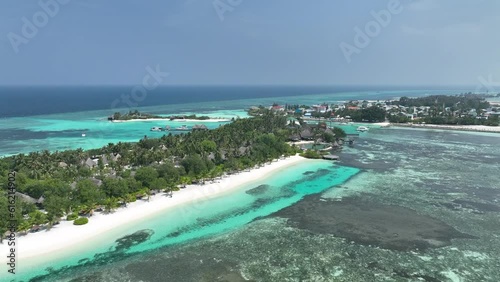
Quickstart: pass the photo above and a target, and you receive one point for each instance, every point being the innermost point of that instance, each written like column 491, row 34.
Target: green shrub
column 310, row 154
column 81, row 221
column 72, row 216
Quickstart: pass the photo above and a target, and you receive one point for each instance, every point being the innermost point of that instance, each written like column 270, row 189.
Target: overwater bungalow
column 306, row 134
column 200, row 127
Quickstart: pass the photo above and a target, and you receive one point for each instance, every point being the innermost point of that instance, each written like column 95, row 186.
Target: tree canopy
column 67, row 184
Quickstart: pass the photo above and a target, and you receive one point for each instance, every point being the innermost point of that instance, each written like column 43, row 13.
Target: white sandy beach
column 301, row 143
column 66, row 236
column 175, row 120
column 382, row 124
column 204, row 120
column 476, row 128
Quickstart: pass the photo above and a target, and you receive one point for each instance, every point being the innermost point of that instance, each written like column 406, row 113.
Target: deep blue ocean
column 43, row 100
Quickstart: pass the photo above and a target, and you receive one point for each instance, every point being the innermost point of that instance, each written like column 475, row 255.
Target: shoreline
column 471, row 128
column 175, row 120
column 36, row 246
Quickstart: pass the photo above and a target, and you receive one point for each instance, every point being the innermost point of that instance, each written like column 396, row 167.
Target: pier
column 331, row 157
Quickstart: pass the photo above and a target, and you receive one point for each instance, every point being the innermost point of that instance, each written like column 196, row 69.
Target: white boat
column 83, row 135
column 362, row 129
column 156, row 128
column 183, row 128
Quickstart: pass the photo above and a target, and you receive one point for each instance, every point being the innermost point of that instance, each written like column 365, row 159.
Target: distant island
column 136, row 115
column 465, row 109
column 133, row 115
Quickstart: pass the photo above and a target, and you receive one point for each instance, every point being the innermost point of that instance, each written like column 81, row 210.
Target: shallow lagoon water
column 204, row 219
column 451, row 177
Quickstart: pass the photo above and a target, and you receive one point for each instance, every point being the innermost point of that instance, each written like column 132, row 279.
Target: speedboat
column 183, row 128
column 362, row 129
column 156, row 128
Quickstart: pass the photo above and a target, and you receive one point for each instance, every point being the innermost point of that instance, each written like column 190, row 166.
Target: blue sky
column 91, row 42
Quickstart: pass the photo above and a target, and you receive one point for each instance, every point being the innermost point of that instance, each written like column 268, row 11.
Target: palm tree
column 147, row 191
column 24, row 226
column 185, row 180
column 111, row 204
column 170, row 188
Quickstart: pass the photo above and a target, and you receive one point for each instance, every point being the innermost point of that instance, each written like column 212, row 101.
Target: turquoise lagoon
column 194, row 221
column 420, row 169
column 64, row 130
column 445, row 175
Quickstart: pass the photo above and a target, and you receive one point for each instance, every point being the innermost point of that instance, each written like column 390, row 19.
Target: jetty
column 331, row 157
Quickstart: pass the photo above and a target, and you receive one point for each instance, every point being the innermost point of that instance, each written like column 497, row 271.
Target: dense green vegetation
column 450, row 110
column 66, row 184
column 190, row 117
column 133, row 115
column 371, row 114
column 466, row 120
column 81, row 221
column 398, row 118
column 458, row 102
column 312, row 154
column 338, row 133
column 138, row 115
column 72, row 216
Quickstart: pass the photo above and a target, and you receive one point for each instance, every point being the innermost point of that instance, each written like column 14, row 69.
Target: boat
column 156, row 128
column 167, row 127
column 183, row 128
column 362, row 129
column 83, row 135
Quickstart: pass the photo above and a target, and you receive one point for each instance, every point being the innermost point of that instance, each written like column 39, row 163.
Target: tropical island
column 458, row 111
column 73, row 185
column 135, row 115
column 466, row 109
